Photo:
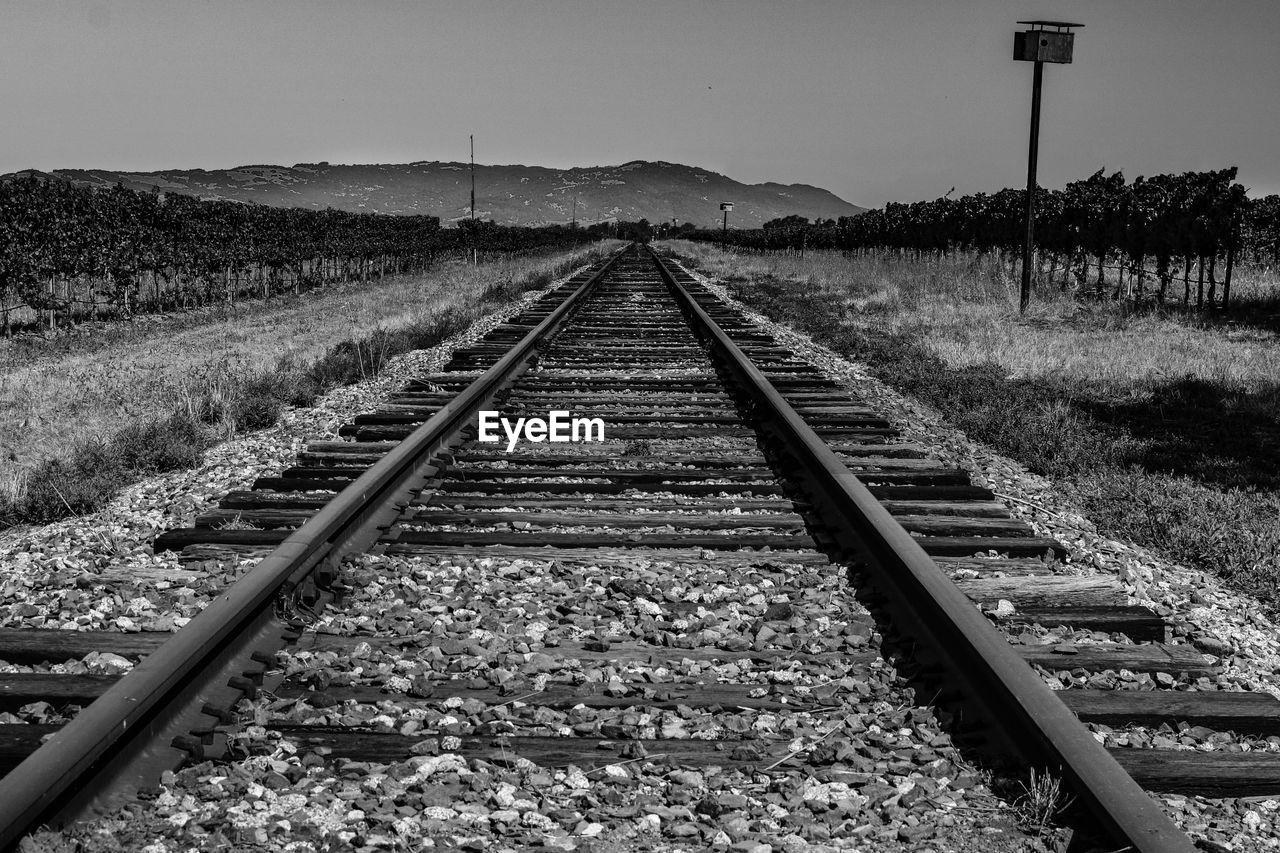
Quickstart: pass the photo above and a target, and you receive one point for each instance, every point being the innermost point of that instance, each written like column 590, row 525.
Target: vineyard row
column 69, row 252
column 1189, row 226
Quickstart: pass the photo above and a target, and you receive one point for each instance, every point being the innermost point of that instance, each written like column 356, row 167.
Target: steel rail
column 78, row 756
column 1043, row 730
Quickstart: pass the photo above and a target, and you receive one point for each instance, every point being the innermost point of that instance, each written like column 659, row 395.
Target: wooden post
column 1213, row 280
column 1231, row 262
column 1028, row 247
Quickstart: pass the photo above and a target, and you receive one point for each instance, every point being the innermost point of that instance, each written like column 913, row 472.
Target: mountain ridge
column 512, row 194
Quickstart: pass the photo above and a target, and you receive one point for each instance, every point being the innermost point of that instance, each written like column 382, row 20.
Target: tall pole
column 475, row 250
column 1028, row 249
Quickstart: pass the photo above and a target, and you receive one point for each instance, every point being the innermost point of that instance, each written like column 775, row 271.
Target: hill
column 509, row 195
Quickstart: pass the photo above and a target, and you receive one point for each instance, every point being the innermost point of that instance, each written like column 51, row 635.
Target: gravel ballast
column 918, row 792
column 1218, row 621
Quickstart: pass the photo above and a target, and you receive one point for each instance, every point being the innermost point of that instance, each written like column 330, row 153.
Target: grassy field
column 69, row 406
column 1162, row 423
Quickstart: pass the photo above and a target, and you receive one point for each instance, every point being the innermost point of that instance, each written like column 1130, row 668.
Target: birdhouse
column 1039, row 44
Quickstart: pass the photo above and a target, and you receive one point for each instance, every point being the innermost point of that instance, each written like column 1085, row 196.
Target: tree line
column 1148, row 232
column 69, row 252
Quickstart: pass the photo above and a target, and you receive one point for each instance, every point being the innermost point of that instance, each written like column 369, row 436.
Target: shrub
column 257, row 411
column 288, row 382
column 168, row 445
column 64, row 487
column 94, row 471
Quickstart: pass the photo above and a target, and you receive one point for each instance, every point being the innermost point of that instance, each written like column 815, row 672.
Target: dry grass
column 966, row 310
column 1042, row 800
column 64, row 393
column 1161, row 423
column 1097, row 343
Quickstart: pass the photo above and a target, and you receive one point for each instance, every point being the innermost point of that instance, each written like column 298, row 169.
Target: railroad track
column 736, row 486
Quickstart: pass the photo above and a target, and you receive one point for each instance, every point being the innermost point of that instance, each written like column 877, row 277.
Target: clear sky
column 876, row 101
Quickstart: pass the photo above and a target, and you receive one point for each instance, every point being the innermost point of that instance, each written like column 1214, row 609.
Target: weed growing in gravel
column 1187, row 465
column 1041, row 801
column 237, row 523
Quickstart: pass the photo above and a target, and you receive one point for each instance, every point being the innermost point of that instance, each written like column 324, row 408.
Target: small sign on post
column 725, row 207
column 1038, row 44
